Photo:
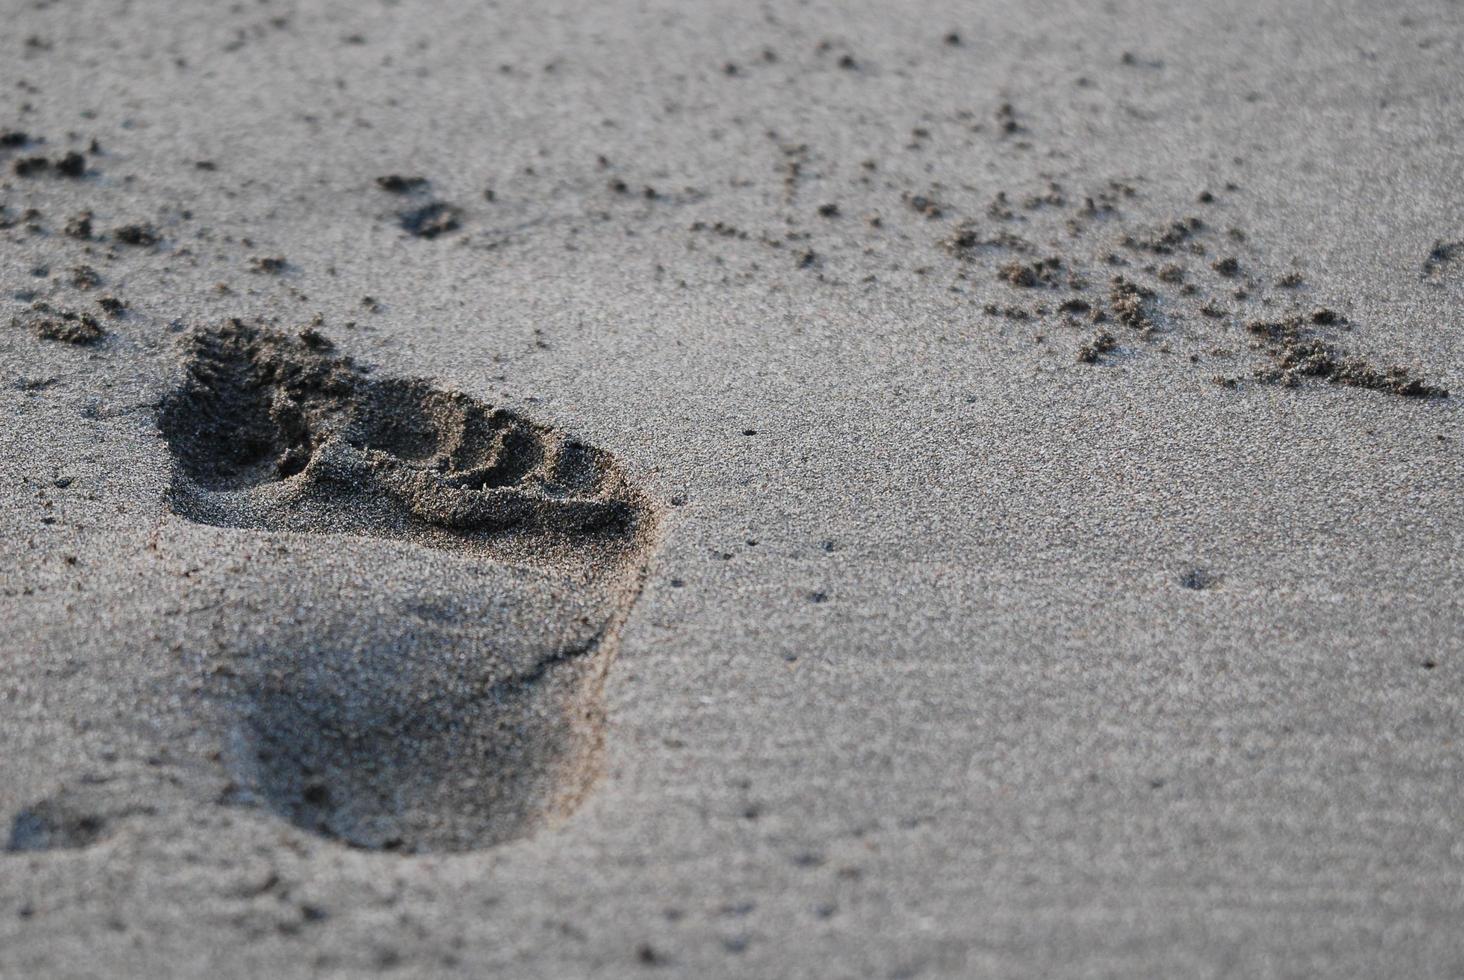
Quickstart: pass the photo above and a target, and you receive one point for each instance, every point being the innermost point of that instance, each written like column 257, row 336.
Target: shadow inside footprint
column 389, row 721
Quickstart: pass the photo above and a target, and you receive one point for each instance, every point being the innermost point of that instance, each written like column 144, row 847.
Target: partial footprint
column 87, row 809
column 440, row 694
column 67, row 820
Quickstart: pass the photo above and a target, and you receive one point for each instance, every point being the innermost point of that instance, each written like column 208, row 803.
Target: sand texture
column 714, row 489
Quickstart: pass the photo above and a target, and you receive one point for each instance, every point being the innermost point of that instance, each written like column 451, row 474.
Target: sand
column 822, row 490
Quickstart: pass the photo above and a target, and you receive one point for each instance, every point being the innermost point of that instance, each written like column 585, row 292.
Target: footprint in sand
column 428, row 675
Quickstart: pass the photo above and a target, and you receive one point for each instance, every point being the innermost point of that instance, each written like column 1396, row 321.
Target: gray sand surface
column 952, row 653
